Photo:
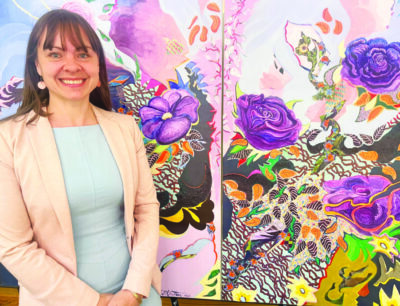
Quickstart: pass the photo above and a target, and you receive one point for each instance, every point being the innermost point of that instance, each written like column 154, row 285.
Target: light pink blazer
column 36, row 239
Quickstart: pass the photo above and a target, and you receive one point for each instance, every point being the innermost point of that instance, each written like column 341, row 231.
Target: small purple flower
column 267, row 123
column 373, row 64
column 169, row 118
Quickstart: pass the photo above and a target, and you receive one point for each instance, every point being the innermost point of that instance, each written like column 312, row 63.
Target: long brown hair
column 70, row 26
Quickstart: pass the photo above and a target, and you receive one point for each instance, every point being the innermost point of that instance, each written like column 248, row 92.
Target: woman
column 78, row 208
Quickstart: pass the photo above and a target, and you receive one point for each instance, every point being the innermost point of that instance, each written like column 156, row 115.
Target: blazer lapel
column 116, row 138
column 46, row 153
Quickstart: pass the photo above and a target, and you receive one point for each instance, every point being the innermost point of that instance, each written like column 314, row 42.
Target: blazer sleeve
column 146, row 224
column 47, row 280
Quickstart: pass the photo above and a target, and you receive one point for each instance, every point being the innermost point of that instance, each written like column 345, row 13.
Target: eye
column 54, row 55
column 83, row 55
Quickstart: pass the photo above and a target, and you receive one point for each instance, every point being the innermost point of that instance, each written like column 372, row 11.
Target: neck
column 65, row 115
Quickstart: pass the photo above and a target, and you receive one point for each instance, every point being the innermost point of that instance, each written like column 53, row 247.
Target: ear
column 39, row 71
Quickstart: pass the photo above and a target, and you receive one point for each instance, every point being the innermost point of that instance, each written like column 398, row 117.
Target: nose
column 71, row 64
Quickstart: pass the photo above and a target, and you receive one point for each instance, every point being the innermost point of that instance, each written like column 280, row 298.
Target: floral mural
column 311, row 152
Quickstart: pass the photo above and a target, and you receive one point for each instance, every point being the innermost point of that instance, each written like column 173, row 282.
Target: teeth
column 72, row 82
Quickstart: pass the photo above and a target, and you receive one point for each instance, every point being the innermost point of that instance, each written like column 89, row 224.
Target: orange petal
column 274, row 153
column 326, row 15
column 387, row 99
column 338, row 27
column 238, row 195
column 331, row 229
column 316, row 232
column 323, row 26
column 287, row 173
column 368, row 155
column 311, row 215
column 193, row 21
column 398, row 147
column 213, row 7
column 175, row 149
column 253, row 222
column 257, row 191
column 295, row 151
column 342, row 243
column 216, row 22
column 187, row 148
column 231, row 184
column 389, row 171
column 240, row 142
column 313, row 198
column 269, row 175
column 363, row 99
column 375, row 112
column 305, row 230
column 163, row 157
column 193, row 33
column 243, row 212
column 203, row 35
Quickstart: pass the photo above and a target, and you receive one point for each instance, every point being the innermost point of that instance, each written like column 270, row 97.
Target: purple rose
column 266, row 122
column 169, row 118
column 373, row 64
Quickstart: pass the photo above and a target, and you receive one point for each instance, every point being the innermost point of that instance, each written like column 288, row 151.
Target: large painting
column 283, row 185
column 311, row 205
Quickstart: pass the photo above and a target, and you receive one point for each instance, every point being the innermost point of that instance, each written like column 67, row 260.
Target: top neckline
column 76, row 127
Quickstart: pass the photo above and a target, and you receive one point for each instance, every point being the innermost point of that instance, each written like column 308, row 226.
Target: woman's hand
column 123, row 298
column 105, row 298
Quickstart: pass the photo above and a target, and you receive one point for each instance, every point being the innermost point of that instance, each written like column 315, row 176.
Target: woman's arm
column 146, row 228
column 47, row 280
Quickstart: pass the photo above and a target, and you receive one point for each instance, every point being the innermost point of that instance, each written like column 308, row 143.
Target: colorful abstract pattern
column 311, row 152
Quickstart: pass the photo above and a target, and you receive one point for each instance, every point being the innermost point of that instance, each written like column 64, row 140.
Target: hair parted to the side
column 70, row 26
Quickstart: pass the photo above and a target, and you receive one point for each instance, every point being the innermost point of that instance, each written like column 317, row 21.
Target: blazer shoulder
column 13, row 126
column 122, row 119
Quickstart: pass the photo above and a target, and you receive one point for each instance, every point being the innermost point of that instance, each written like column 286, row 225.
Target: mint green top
column 95, row 195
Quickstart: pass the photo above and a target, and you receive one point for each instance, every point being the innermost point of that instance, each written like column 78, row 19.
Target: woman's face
column 70, row 73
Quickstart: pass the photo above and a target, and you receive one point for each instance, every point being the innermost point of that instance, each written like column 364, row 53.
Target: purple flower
column 373, row 64
column 169, row 118
column 266, row 122
column 369, row 204
column 358, row 188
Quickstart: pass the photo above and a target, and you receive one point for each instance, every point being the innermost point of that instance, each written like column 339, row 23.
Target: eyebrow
column 77, row 49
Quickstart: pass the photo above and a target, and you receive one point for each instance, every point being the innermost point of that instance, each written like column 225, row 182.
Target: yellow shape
column 300, row 290
column 384, row 245
column 241, row 294
column 386, row 301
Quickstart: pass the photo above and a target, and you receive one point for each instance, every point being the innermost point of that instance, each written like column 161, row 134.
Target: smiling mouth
column 72, row 82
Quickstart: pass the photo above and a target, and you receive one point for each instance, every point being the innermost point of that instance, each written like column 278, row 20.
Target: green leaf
column 214, row 283
column 236, row 149
column 318, row 261
column 292, row 103
column 250, row 159
column 103, row 36
column 361, row 90
column 107, row 7
column 211, row 293
column 357, row 245
column 118, row 57
column 239, row 92
column 213, row 274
